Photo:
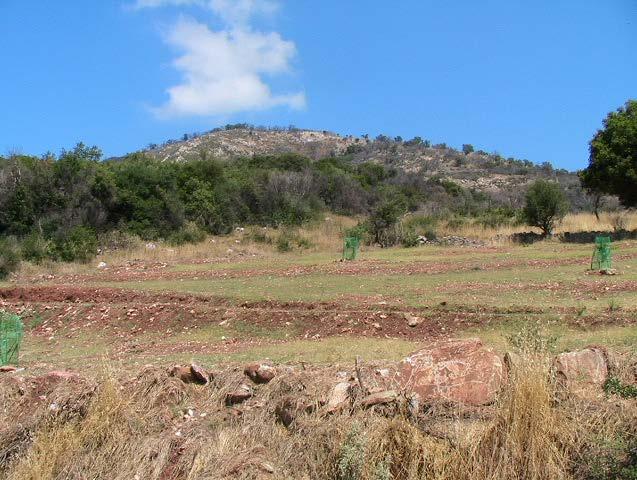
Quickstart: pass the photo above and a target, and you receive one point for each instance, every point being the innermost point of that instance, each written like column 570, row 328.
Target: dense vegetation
column 613, row 156
column 62, row 208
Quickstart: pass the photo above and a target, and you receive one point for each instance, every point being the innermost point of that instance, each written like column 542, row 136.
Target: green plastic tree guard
column 602, row 255
column 350, row 248
column 11, row 331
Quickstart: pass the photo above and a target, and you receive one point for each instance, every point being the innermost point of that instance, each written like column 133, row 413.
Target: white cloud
column 223, row 71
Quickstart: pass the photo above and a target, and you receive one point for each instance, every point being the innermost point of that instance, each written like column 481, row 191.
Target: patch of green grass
column 566, row 338
column 553, row 286
column 329, row 350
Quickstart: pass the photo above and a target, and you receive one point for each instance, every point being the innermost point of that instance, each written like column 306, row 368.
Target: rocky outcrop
column 457, row 371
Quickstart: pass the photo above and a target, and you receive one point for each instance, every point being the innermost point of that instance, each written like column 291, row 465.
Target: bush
column 79, row 244
column 258, row 235
column 288, row 240
column 9, row 258
column 190, row 233
column 117, row 240
column 360, row 231
column 35, row 248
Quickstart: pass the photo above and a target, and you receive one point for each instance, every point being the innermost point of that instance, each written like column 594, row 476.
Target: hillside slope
column 504, row 179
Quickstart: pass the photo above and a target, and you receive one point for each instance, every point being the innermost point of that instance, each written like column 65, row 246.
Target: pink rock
column 379, row 398
column 62, row 375
column 260, row 372
column 339, row 397
column 458, row 371
column 582, row 367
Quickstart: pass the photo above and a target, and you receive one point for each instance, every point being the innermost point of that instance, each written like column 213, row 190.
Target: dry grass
column 156, row 427
column 574, row 222
column 528, row 438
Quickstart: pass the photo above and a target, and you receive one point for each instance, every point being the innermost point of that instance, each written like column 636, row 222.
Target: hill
column 503, row 179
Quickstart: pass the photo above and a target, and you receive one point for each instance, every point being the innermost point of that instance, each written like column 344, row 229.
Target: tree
column 467, row 148
column 546, row 205
column 384, row 220
column 612, row 167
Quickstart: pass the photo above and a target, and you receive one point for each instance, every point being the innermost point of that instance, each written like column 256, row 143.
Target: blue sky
column 531, row 80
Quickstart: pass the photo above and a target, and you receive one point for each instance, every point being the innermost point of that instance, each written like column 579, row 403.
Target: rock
column 190, row 374
column 581, row 368
column 199, row 374
column 412, row 320
column 458, row 371
column 151, row 246
column 7, row 368
column 182, row 373
column 260, row 372
column 379, row 398
column 62, row 375
column 608, row 271
column 339, row 397
column 101, row 265
column 512, row 361
column 240, row 394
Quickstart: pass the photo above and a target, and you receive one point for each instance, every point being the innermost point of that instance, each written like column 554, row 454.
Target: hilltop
column 504, row 179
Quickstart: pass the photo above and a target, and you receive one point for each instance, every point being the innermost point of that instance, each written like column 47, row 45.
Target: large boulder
column 457, row 371
column 581, row 368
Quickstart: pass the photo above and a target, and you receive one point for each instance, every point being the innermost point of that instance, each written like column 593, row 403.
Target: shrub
column 614, row 386
column 532, row 338
column 288, row 240
column 79, row 244
column 190, row 233
column 117, row 240
column 35, row 248
column 352, row 455
column 9, row 258
column 259, row 235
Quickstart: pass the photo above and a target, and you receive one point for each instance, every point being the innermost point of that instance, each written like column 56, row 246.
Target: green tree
column 612, row 165
column 546, row 205
column 383, row 221
column 467, row 148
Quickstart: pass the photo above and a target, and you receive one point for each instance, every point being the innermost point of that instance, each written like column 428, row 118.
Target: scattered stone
column 458, row 371
column 412, row 320
column 240, row 394
column 339, row 397
column 190, row 374
column 260, row 372
column 182, row 373
column 379, row 398
column 582, row 367
column 199, row 374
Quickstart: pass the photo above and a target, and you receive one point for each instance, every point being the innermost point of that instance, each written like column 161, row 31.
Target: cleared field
column 309, row 307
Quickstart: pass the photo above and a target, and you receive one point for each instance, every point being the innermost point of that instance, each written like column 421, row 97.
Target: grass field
column 489, row 292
